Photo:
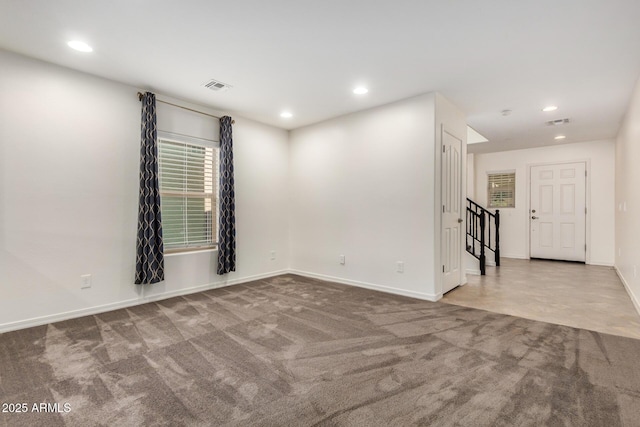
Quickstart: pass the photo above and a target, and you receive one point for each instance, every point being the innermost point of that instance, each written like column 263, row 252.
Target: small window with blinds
column 502, row 190
column 188, row 189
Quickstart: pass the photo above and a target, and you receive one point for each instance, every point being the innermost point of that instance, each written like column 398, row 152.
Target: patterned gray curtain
column 149, row 248
column 227, row 225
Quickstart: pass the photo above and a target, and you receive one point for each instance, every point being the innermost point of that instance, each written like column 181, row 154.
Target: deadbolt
column 533, row 210
column 459, row 220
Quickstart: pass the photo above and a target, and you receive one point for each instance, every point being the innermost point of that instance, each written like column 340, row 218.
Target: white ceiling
column 307, row 56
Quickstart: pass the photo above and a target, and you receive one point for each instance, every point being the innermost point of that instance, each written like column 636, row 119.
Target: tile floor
column 565, row 293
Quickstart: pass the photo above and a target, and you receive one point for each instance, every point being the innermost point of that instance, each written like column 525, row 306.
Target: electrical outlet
column 400, row 267
column 85, row 281
column 273, row 255
column 342, row 260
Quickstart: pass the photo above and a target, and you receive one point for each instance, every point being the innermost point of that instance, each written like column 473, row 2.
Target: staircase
column 483, row 233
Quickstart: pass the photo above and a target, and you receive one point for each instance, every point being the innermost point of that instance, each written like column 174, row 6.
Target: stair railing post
column 482, row 255
column 497, row 251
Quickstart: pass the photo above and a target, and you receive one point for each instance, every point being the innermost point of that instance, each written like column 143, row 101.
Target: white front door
column 451, row 211
column 558, row 211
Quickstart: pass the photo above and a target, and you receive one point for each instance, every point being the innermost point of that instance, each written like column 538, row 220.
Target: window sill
column 190, row 252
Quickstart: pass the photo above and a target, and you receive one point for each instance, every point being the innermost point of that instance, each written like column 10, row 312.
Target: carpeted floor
column 291, row 351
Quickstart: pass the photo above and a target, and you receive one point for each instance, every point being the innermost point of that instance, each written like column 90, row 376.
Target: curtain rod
column 184, row 108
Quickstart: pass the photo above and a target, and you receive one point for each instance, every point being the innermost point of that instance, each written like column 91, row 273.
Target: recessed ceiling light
column 360, row 90
column 549, row 108
column 286, row 115
column 559, row 137
column 79, row 46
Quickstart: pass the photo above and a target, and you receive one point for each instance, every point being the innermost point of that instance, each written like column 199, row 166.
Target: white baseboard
column 223, row 284
column 44, row 320
column 473, row 272
column 514, row 256
column 634, row 300
column 375, row 287
column 601, row 263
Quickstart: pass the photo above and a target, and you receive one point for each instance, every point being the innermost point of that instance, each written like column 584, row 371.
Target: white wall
column 362, row 186
column 627, row 199
column 69, row 153
column 471, row 176
column 514, row 226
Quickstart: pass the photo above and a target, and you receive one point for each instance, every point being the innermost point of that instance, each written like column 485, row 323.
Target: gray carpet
column 292, row 351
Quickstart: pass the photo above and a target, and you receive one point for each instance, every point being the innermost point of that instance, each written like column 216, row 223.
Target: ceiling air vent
column 216, row 85
column 557, row 122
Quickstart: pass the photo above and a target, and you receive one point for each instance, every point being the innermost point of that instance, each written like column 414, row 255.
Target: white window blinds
column 188, row 189
column 502, row 190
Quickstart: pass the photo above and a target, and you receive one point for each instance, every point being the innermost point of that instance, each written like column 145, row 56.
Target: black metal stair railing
column 483, row 233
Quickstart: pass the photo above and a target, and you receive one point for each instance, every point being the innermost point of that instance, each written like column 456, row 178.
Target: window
column 188, row 194
column 502, row 190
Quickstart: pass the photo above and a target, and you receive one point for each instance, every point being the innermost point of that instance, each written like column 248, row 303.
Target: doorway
column 557, row 215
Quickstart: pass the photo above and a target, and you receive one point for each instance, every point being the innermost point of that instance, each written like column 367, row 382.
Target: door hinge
column 443, row 268
column 585, row 210
column 442, row 208
column 443, row 149
column 585, row 173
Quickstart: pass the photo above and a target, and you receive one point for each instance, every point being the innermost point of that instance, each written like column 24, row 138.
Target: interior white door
column 558, row 211
column 451, row 211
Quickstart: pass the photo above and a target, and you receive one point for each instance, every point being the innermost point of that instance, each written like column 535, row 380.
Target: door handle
column 534, row 217
column 459, row 220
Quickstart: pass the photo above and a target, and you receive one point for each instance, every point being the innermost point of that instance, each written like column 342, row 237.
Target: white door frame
column 587, row 163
